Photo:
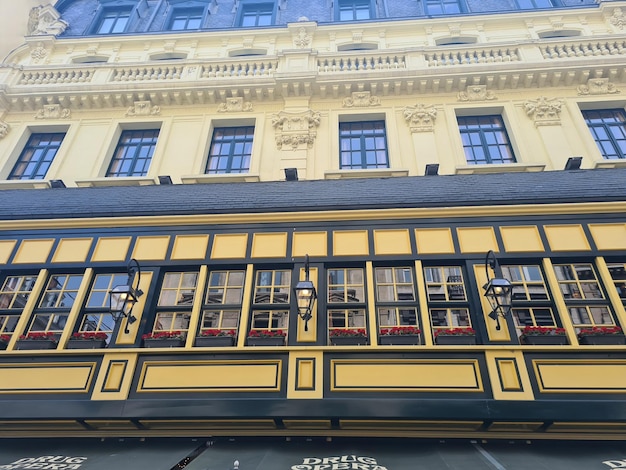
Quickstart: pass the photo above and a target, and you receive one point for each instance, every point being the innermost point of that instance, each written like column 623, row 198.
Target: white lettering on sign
column 343, row 462
column 615, row 463
column 46, row 462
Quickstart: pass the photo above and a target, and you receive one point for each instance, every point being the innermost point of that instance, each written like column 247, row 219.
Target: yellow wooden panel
column 477, row 239
column 151, row 248
column 72, row 250
column 350, row 243
column 509, row 377
column 305, row 374
column 434, row 240
column 207, row 376
column 566, row 238
column 33, row 251
column 229, row 245
column 6, row 248
column 269, row 245
column 115, row 376
column 521, row 239
column 111, row 249
column 190, row 247
column 309, row 243
column 68, row 377
column 392, row 242
column 461, row 375
column 581, row 376
column 609, row 236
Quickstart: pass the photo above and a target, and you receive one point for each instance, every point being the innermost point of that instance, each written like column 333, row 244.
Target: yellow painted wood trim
column 559, row 301
column 137, row 312
column 74, row 314
column 196, row 310
column 337, row 216
column 371, row 303
column 27, row 312
column 245, row 306
column 318, row 376
column 503, row 333
column 309, row 336
column 422, row 299
column 607, row 280
column 526, row 392
column 130, row 362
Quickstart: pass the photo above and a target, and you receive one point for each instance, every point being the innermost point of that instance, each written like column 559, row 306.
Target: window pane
column 35, row 159
column 133, row 153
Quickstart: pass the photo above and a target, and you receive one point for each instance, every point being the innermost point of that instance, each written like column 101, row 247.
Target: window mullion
column 201, row 286
column 370, row 305
column 611, row 292
column 559, row 301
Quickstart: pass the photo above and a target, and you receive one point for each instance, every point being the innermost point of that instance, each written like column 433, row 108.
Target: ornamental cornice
column 598, row 86
column 544, row 111
column 4, row 129
column 420, row 118
column 295, row 129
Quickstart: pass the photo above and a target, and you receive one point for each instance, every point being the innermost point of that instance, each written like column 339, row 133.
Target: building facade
column 398, row 154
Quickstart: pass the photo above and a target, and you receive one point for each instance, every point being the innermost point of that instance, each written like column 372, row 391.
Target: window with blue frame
column 531, row 4
column 113, row 21
column 256, row 14
column 133, row 154
column 230, row 150
column 363, row 145
column 445, row 7
column 185, row 19
column 485, row 140
column 353, row 10
column 37, row 156
column 608, row 127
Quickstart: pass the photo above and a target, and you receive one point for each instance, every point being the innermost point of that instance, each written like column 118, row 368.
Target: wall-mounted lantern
column 498, row 290
column 305, row 296
column 123, row 298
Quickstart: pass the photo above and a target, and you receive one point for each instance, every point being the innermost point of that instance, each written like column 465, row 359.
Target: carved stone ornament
column 361, row 99
column 53, row 111
column 4, row 129
column 143, row 108
column 618, row 19
column 598, row 86
column 477, row 93
column 45, row 20
column 302, row 40
column 39, row 52
column 544, row 111
column 296, row 129
column 233, row 105
column 420, row 118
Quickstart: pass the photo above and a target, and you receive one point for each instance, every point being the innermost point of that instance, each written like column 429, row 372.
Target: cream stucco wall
column 299, row 92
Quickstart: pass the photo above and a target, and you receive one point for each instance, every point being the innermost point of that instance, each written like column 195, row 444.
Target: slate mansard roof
column 553, row 187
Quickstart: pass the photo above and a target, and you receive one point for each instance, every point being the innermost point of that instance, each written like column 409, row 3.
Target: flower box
column 163, row 342
column 455, row 340
column 399, row 340
column 266, row 341
column 542, row 335
column 455, row 336
column 75, row 343
column 348, row 340
column 36, row 344
column 214, row 341
column 4, row 341
column 599, row 340
column 542, row 340
column 163, row 339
